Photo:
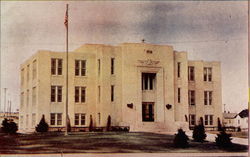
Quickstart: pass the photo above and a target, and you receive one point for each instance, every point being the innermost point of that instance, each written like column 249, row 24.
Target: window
column 22, row 76
column 191, row 97
column 148, row 81
column 56, row 94
column 99, row 67
column 112, row 92
column 80, row 67
column 179, row 69
column 207, row 74
column 56, row 66
column 34, row 71
column 191, row 119
column 112, row 66
column 34, row 96
column 207, row 97
column 27, row 97
column 99, row 93
column 80, row 119
column 52, row 119
column 208, row 119
column 80, row 94
column 55, row 118
column 33, row 119
column 191, row 73
column 179, row 95
column 28, row 72
column 59, row 118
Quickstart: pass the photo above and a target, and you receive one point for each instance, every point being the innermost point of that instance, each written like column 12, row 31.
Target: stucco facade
column 143, row 86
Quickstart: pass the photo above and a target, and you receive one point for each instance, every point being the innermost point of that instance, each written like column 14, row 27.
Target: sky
column 211, row 31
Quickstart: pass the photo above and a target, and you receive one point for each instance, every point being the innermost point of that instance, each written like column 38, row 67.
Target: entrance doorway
column 148, row 111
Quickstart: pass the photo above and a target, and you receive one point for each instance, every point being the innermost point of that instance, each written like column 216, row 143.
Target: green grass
column 102, row 142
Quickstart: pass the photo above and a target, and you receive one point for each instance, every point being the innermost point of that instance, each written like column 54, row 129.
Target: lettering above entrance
column 148, row 62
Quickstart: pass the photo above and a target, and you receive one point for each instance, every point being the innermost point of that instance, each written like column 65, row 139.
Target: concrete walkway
column 211, row 137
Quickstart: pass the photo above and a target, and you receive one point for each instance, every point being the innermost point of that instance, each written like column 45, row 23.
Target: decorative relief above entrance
column 148, row 62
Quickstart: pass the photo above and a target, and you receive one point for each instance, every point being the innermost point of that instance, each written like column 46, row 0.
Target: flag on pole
column 66, row 17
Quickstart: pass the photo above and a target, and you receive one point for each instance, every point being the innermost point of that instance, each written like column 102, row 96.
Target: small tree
column 91, row 124
column 68, row 124
column 181, row 139
column 42, row 126
column 109, row 123
column 5, row 125
column 219, row 125
column 199, row 134
column 9, row 126
column 223, row 139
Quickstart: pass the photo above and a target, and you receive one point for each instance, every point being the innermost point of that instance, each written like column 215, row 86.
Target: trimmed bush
column 219, row 125
column 42, row 126
column 223, row 139
column 108, row 123
column 199, row 134
column 9, row 126
column 181, row 139
column 91, row 124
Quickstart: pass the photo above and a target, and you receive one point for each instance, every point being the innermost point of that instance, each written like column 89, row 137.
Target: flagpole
column 66, row 110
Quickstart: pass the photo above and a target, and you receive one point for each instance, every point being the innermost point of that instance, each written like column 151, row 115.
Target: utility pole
column 67, row 49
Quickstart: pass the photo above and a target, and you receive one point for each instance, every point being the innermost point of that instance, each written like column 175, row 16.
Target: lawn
column 102, row 142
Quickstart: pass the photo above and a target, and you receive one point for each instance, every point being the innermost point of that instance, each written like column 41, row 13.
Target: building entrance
column 148, row 111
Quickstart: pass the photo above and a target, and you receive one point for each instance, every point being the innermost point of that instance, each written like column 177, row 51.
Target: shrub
column 109, row 123
column 42, row 126
column 68, row 124
column 199, row 134
column 181, row 139
column 219, row 125
column 91, row 124
column 223, row 139
column 9, row 126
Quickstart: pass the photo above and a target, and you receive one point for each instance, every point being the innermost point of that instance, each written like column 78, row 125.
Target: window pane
column 179, row 95
column 83, row 94
column 59, row 93
column 76, row 119
column 112, row 65
column 53, row 66
column 77, row 67
column 205, row 74
column 59, row 67
column 178, row 69
column 83, row 69
column 112, row 93
column 77, row 94
column 209, row 74
column 59, row 119
column 52, row 119
column 82, row 119
column 53, row 93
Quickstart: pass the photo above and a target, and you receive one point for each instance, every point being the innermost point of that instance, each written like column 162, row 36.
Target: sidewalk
column 211, row 138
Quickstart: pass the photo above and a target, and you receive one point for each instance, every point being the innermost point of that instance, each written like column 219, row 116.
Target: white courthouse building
column 143, row 86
